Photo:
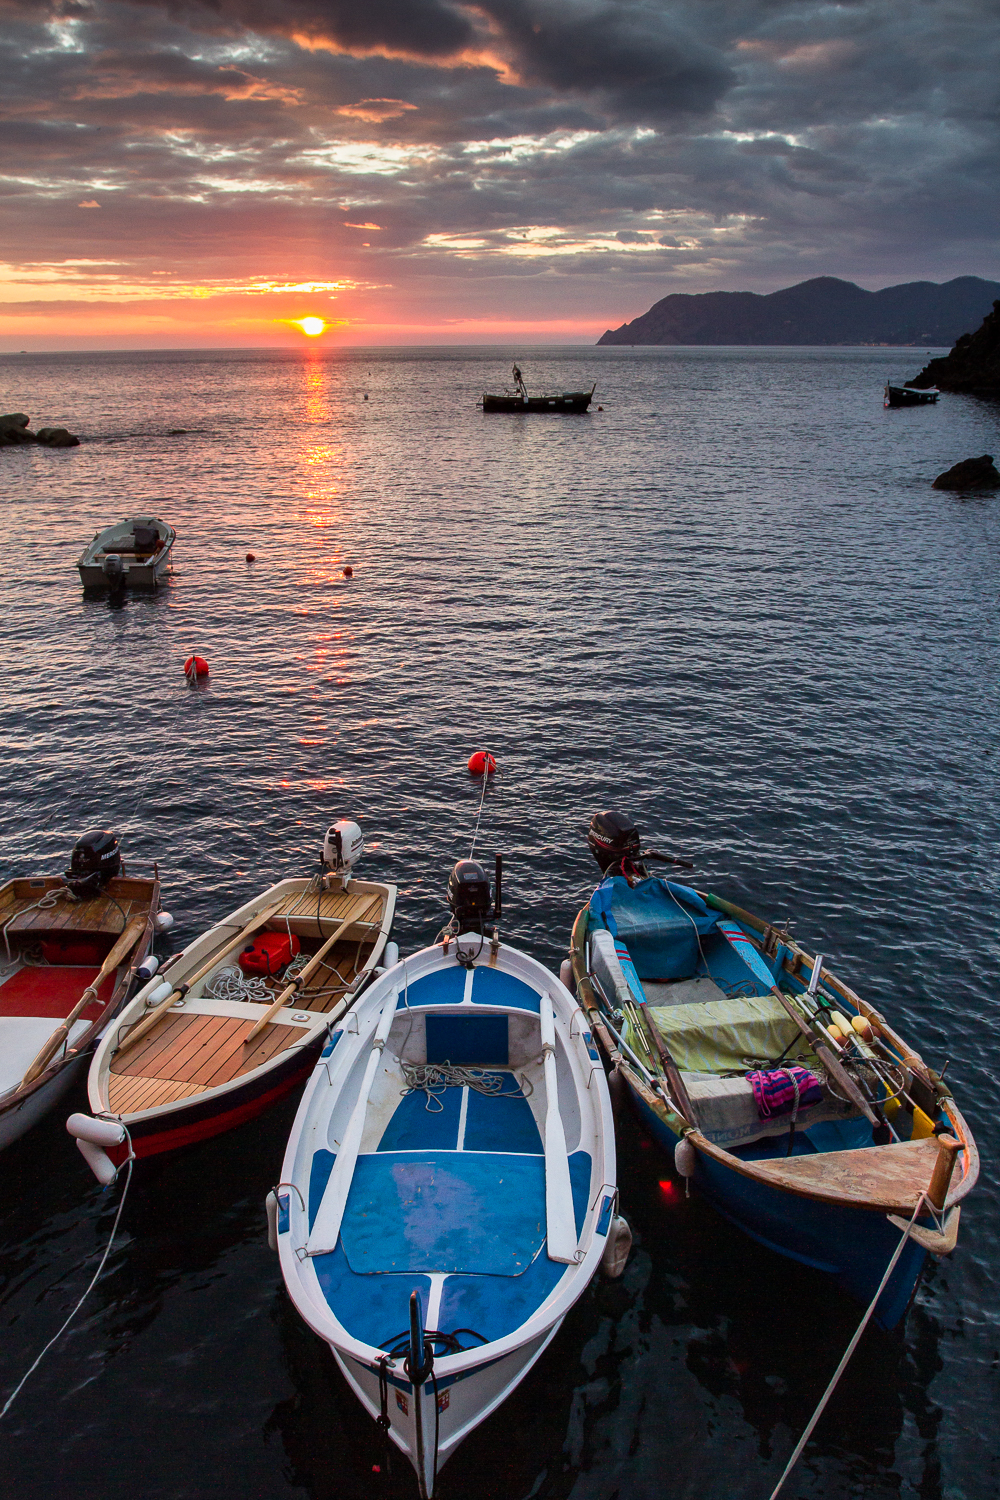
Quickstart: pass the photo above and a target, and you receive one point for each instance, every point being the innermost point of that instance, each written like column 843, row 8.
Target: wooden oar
column 126, row 942
column 671, row 1071
column 307, row 972
column 148, row 1022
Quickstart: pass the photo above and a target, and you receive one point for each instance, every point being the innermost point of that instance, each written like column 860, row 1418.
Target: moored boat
column 131, row 554
column 518, row 400
column 449, row 1189
column 908, row 395
column 788, row 1100
column 242, row 1014
column 71, row 946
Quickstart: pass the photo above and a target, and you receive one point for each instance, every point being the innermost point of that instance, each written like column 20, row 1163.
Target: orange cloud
column 374, row 111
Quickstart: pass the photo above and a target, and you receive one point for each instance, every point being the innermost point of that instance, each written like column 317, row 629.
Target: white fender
column 616, row 1251
column 147, row 968
column 163, row 921
column 160, row 993
column 685, row 1158
column 98, row 1161
column 97, row 1132
column 271, row 1209
column 566, row 974
column 390, row 955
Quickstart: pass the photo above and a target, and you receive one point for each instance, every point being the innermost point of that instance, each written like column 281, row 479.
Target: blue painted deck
column 489, row 987
column 457, row 1190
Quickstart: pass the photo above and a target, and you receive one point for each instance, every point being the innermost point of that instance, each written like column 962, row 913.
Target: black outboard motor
column 95, row 860
column 469, row 896
column 613, row 840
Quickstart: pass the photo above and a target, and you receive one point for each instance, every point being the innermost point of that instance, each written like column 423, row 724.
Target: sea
column 727, row 602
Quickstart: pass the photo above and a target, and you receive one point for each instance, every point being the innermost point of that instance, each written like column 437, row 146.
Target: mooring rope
column 93, row 1282
column 434, row 1078
column 810, row 1426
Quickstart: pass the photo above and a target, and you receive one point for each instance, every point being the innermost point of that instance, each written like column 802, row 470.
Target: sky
column 205, row 173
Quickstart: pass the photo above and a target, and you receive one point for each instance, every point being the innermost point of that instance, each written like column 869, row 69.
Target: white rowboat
column 133, row 554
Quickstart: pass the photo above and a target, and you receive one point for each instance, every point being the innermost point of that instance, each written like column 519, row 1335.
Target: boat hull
column 852, row 1246
column 568, row 401
column 897, row 395
column 18, row 1117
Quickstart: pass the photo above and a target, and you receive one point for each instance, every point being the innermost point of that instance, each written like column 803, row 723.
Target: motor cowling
column 469, row 895
column 612, row 839
column 113, row 568
column 95, row 860
column 343, row 846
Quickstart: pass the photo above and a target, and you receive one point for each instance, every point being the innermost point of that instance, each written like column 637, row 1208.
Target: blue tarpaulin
column 658, row 921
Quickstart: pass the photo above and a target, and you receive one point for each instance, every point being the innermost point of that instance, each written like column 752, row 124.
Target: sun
column 311, row 326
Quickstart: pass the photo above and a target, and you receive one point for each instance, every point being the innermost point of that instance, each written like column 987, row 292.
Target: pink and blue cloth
column 784, row 1091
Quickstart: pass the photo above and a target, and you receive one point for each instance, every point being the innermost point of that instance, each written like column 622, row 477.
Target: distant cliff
column 822, row 311
column 973, row 364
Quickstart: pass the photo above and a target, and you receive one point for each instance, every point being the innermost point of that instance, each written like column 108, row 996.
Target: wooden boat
column 689, row 997
column 448, row 1190
column 132, row 554
column 67, row 962
column 908, row 395
column 518, row 400
column 208, row 1047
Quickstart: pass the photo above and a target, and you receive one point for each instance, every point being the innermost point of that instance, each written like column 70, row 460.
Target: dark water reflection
column 730, row 603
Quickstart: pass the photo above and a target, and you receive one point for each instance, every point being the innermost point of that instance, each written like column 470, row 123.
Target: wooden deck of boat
column 889, row 1178
column 100, row 915
column 315, row 915
column 189, row 1054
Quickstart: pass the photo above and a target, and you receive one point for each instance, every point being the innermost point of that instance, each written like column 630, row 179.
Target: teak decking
column 99, row 915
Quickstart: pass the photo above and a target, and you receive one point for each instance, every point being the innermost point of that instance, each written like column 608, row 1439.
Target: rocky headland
column 14, row 431
column 973, row 366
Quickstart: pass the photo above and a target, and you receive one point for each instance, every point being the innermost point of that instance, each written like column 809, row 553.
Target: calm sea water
column 730, row 604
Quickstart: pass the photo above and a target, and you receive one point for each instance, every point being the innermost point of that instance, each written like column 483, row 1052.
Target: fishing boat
column 448, row 1190
column 908, row 395
column 242, row 1015
column 785, row 1098
column 131, row 554
column 72, row 944
column 518, row 400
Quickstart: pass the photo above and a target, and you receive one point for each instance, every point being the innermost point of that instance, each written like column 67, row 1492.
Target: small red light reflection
column 668, row 1189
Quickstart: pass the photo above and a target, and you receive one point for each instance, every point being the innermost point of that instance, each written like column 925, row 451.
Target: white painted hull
column 17, row 1119
column 144, row 571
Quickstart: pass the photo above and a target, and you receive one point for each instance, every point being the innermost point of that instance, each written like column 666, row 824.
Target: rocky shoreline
column 14, row 431
column 973, row 366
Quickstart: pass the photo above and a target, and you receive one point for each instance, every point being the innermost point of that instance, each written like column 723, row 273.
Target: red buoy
column 251, row 557
column 195, row 666
column 348, row 572
column 482, row 763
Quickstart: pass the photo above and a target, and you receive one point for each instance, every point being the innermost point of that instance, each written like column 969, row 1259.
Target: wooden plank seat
column 189, row 1054
column 309, row 914
column 100, row 915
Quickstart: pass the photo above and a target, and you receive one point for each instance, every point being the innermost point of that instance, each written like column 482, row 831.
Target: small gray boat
column 132, row 554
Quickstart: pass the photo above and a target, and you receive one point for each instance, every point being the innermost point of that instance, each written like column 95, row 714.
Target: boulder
column 970, row 474
column 14, row 429
column 58, row 437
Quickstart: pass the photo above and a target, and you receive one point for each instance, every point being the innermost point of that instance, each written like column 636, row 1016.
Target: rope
column 796, row 1455
column 435, row 1078
column 93, row 1282
column 482, row 799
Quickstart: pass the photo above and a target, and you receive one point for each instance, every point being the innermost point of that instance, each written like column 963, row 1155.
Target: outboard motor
column 613, row 840
column 343, row 847
column 113, row 569
column 469, row 896
column 95, row 860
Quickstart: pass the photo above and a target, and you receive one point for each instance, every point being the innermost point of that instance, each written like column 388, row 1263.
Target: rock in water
column 970, row 474
column 58, row 437
column 974, row 363
column 14, row 429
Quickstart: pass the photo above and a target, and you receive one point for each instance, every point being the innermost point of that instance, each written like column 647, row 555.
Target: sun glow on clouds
column 99, row 281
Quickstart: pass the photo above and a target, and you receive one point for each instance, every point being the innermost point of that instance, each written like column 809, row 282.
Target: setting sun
column 311, row 326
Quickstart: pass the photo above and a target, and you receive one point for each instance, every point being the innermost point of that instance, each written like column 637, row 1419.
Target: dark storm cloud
column 714, row 142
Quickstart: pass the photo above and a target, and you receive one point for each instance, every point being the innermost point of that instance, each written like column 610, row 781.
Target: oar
column 126, row 942
column 560, row 1217
column 301, row 979
column 671, row 1071
column 148, row 1022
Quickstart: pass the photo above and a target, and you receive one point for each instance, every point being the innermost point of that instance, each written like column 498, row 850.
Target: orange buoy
column 482, row 763
column 195, row 666
column 348, row 572
column 251, row 557
column 600, row 408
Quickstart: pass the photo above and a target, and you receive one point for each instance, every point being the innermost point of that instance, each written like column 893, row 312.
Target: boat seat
column 719, row 1036
column 700, row 990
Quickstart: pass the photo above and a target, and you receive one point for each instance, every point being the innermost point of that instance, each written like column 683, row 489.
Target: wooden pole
column 944, row 1166
column 822, row 1050
column 147, row 1023
column 126, row 942
column 671, row 1071
column 307, row 973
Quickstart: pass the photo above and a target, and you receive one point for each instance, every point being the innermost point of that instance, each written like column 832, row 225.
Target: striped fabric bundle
column 785, row 1091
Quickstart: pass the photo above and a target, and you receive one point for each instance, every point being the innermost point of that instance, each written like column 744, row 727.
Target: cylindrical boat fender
column 566, row 974
column 147, row 968
column 390, row 955
column 98, row 1132
column 160, row 993
column 685, row 1158
column 98, row 1161
column 271, row 1206
column 163, row 921
column 616, row 1251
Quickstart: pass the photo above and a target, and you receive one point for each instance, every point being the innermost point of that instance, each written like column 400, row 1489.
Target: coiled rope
column 434, row 1078
column 93, row 1282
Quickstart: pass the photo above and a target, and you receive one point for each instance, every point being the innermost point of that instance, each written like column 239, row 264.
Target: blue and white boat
column 448, row 1190
column 702, row 1006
